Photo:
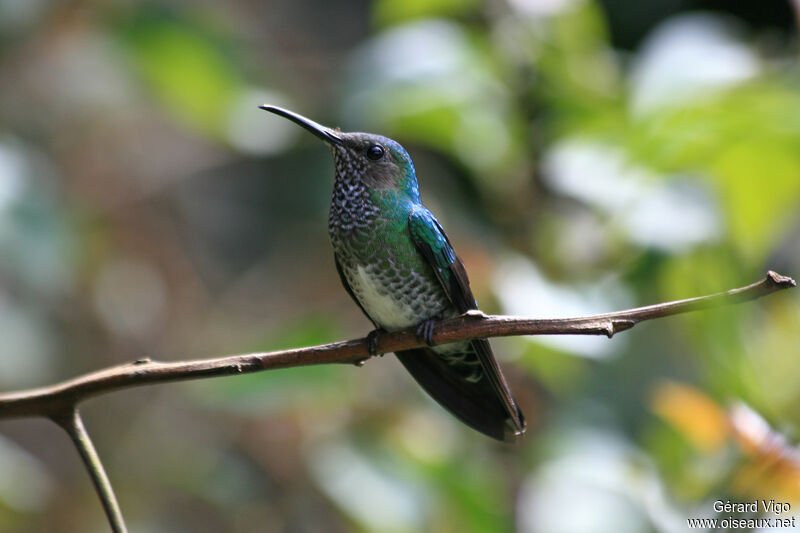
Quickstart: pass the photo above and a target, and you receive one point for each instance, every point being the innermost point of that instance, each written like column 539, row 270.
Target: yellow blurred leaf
column 692, row 413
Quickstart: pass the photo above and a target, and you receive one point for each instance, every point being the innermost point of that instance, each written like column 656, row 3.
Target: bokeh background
column 584, row 156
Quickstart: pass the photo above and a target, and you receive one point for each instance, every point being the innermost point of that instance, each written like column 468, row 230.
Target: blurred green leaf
column 759, row 183
column 475, row 498
column 751, row 155
column 562, row 373
column 578, row 75
column 389, row 12
column 446, row 92
column 188, row 71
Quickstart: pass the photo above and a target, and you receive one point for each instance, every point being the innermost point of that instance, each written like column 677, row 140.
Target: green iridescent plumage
column 398, row 265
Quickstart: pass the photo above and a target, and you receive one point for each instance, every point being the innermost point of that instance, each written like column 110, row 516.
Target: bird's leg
column 425, row 329
column 372, row 341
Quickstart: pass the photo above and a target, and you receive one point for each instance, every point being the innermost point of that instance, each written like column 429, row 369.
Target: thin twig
column 73, row 424
column 59, row 398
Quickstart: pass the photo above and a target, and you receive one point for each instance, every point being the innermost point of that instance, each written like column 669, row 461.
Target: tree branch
column 63, row 397
column 60, row 402
column 72, row 423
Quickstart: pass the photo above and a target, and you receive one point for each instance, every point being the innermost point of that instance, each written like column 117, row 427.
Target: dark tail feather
column 480, row 405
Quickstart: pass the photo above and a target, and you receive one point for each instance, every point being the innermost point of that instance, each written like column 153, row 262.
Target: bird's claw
column 425, row 331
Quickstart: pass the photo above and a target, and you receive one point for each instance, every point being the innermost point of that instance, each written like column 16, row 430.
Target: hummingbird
column 397, row 264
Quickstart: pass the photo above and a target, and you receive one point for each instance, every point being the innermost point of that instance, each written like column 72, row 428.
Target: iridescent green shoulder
column 428, row 236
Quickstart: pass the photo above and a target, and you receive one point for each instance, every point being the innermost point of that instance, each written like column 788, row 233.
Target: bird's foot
column 372, row 341
column 425, row 330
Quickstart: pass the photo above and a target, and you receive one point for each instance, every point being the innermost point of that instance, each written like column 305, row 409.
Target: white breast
column 390, row 308
column 388, row 311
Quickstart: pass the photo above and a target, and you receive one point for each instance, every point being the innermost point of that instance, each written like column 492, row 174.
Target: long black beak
column 326, row 134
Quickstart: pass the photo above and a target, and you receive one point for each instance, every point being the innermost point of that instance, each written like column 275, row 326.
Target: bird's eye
column 375, row 152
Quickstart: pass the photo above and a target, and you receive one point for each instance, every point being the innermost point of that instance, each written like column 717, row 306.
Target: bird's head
column 379, row 162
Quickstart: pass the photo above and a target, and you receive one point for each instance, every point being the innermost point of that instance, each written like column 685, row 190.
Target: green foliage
column 391, row 12
column 594, row 178
column 185, row 67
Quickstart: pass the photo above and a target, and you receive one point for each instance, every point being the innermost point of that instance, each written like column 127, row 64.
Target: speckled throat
column 352, row 209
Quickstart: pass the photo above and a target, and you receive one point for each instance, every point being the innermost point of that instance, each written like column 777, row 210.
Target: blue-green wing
column 486, row 404
column 431, row 240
